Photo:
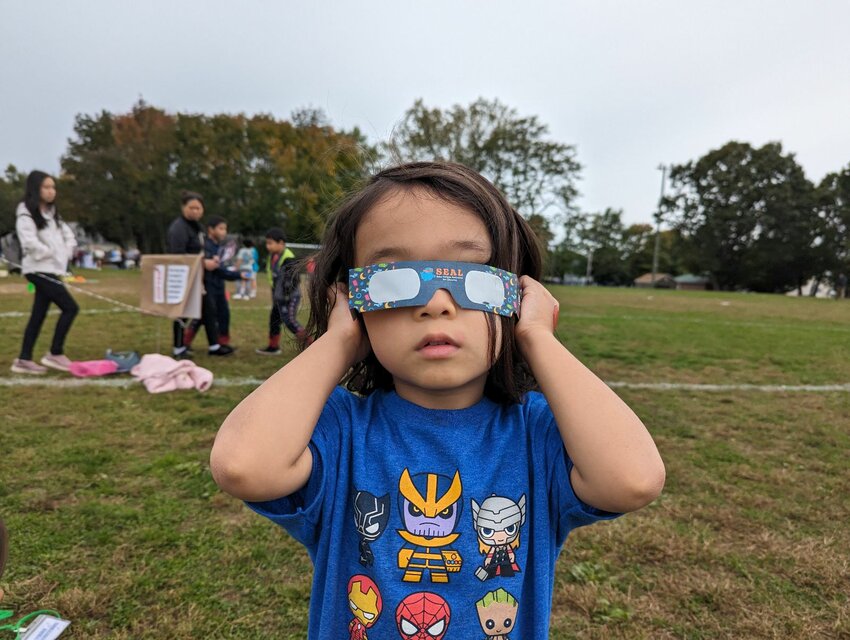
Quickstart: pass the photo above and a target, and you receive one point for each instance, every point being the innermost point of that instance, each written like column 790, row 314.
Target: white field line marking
column 55, row 312
column 124, row 382
column 807, row 326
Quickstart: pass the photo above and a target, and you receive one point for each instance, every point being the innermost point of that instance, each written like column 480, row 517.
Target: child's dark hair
column 214, row 221
column 248, row 243
column 188, row 196
column 515, row 249
column 32, row 198
column 276, row 234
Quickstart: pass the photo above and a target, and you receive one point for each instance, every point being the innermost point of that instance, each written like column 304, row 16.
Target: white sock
column 177, row 351
column 215, row 347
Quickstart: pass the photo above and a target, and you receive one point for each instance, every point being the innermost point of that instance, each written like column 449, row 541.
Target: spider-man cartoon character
column 423, row 616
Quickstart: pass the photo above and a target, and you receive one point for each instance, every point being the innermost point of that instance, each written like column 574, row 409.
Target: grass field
column 115, row 521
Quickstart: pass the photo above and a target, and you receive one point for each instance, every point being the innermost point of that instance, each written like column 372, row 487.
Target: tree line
column 746, row 217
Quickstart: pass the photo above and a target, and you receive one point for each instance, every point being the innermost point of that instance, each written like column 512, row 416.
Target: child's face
column 219, row 232
column 438, row 354
column 275, row 246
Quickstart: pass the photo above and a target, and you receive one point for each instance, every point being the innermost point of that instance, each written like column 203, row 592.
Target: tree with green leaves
column 538, row 175
column 601, row 237
column 11, row 192
column 122, row 174
column 748, row 217
column 834, row 209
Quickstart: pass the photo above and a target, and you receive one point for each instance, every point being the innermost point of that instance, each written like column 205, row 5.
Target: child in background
column 465, row 435
column 247, row 266
column 256, row 258
column 214, row 280
column 282, row 271
column 47, row 244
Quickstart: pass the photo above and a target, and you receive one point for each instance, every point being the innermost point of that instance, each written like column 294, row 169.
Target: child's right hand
column 345, row 326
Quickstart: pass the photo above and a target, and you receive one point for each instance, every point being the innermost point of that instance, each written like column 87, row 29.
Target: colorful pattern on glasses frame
column 433, row 275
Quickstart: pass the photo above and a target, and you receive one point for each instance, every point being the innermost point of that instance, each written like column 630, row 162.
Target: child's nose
column 440, row 304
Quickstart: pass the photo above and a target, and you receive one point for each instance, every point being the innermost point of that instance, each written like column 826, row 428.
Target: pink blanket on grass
column 93, row 368
column 160, row 373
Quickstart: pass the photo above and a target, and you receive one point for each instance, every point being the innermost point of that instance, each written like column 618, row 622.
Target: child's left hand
column 538, row 310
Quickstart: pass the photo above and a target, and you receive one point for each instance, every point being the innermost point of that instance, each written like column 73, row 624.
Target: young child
column 439, row 453
column 282, row 271
column 214, row 287
column 246, row 263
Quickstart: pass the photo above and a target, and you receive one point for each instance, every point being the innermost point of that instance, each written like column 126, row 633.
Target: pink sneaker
column 28, row 366
column 60, row 362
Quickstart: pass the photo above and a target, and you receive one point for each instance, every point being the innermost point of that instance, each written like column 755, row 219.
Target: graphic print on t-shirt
column 371, row 515
column 365, row 602
column 430, row 508
column 497, row 614
column 497, row 522
column 423, row 615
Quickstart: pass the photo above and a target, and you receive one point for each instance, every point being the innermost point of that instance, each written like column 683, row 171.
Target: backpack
column 10, row 248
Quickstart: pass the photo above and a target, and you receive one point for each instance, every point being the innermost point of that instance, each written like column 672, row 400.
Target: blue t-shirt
column 447, row 522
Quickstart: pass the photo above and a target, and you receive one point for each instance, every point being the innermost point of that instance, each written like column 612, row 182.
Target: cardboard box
column 172, row 285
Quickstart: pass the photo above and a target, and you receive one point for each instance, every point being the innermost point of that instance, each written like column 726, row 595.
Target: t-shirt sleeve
column 301, row 513
column 568, row 510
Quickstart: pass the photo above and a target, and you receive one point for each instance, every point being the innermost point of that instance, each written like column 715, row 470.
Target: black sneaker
column 223, row 350
column 268, row 351
column 185, row 355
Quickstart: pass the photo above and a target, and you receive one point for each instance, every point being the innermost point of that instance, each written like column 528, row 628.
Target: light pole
column 663, row 169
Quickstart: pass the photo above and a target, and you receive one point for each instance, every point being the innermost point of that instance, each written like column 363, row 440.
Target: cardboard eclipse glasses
column 388, row 285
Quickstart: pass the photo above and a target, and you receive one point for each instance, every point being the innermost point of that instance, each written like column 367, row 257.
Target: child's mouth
column 437, row 347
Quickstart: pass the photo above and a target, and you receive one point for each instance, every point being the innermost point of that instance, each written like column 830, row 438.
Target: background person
column 48, row 245
column 246, row 261
column 214, row 284
column 185, row 236
column 282, row 271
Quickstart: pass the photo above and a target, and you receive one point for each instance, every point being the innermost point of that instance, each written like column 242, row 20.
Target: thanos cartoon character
column 430, row 509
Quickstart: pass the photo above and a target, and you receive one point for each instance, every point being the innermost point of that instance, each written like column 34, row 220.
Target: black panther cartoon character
column 371, row 516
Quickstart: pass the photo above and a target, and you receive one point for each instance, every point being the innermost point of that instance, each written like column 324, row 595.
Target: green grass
column 115, row 521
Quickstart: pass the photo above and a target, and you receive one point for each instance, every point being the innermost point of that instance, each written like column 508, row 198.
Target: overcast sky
column 631, row 83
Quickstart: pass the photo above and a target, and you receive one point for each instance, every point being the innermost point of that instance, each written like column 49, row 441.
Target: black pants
column 285, row 312
column 48, row 288
column 222, row 313
column 208, row 319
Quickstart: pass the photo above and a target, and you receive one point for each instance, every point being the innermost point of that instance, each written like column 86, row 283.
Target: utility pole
column 663, row 169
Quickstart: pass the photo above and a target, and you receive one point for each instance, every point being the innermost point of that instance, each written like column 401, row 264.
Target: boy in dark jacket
column 214, row 286
column 282, row 272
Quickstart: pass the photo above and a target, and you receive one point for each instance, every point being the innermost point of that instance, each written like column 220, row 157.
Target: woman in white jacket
column 47, row 244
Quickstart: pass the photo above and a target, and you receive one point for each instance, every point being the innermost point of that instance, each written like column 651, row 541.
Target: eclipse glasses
column 388, row 285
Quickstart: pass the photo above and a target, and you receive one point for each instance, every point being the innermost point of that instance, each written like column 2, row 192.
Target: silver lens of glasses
column 484, row 288
column 394, row 285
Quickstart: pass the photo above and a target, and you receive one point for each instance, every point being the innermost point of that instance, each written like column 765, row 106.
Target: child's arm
column 260, row 452
column 616, row 465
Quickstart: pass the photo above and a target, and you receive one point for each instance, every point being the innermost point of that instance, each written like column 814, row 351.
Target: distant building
column 691, row 282
column 661, row 281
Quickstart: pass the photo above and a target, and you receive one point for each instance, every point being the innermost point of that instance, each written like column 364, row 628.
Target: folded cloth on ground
column 161, row 373
column 126, row 360
column 93, row 368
